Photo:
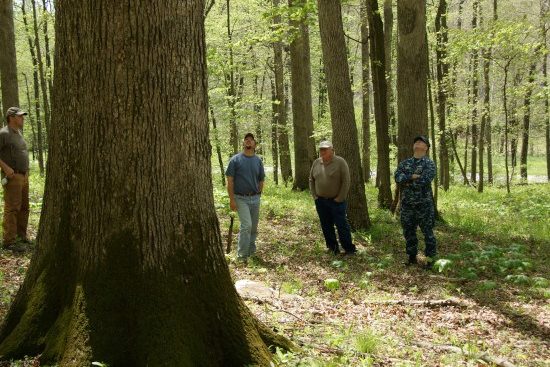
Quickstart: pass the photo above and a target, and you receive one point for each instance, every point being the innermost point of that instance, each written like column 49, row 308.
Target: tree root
column 272, row 339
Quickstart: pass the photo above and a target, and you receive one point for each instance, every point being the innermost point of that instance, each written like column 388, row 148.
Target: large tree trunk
column 526, row 122
column 284, row 146
column 341, row 106
column 411, row 74
column 8, row 60
column 36, row 90
column 365, row 73
column 442, row 90
column 41, row 73
column 129, row 268
column 379, row 83
column 302, row 110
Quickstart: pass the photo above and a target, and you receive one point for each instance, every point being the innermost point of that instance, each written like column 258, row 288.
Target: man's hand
column 9, row 172
column 233, row 205
column 415, row 176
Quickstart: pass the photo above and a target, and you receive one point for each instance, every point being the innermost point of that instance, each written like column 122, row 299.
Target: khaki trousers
column 16, row 208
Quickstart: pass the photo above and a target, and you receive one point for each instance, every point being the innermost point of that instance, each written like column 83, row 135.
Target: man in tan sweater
column 329, row 183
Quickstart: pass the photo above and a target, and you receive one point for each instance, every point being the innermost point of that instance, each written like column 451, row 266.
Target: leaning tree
column 129, row 268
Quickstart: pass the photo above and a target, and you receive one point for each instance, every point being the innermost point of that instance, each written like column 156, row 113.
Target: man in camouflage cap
column 414, row 175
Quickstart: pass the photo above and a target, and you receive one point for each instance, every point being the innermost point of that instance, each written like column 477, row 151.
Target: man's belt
column 248, row 194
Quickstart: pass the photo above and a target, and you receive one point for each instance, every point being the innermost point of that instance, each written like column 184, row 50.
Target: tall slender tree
column 284, row 146
column 36, row 89
column 119, row 266
column 231, row 88
column 379, row 83
column 474, row 96
column 8, row 60
column 527, row 121
column 302, row 109
column 544, row 9
column 388, row 53
column 365, row 87
column 342, row 115
column 442, row 71
column 41, row 72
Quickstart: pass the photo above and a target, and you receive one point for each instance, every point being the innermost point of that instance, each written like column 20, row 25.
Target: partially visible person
column 329, row 182
column 245, row 182
column 14, row 162
column 415, row 175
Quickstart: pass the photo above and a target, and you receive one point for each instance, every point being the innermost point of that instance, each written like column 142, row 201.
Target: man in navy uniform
column 415, row 175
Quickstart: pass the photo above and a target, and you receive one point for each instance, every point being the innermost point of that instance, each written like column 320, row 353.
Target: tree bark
column 412, row 72
column 284, row 146
column 380, row 86
column 123, row 253
column 8, row 58
column 489, row 126
column 341, row 107
column 302, row 109
column 41, row 73
column 442, row 88
column 365, row 73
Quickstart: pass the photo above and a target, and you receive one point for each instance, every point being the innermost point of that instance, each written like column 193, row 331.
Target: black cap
column 423, row 138
column 250, row 135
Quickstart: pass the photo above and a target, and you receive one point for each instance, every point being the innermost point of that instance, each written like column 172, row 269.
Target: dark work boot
column 412, row 260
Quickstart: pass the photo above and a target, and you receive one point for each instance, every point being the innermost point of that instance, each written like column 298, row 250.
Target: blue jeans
column 248, row 208
column 332, row 213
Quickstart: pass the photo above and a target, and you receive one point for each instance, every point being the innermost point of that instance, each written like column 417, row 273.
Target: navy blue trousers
column 333, row 214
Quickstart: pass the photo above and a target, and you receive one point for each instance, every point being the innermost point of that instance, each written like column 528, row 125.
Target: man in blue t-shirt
column 245, row 182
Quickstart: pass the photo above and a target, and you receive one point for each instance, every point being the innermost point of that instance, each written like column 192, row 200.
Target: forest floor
column 488, row 300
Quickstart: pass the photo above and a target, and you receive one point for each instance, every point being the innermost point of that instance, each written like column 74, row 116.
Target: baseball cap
column 423, row 138
column 325, row 144
column 250, row 135
column 15, row 111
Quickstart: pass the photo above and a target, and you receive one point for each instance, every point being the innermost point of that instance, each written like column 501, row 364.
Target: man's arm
column 344, row 188
column 261, row 186
column 312, row 182
column 428, row 174
column 400, row 175
column 7, row 169
column 231, row 193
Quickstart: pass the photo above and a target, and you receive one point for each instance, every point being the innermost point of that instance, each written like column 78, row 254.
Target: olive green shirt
column 13, row 149
column 330, row 180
